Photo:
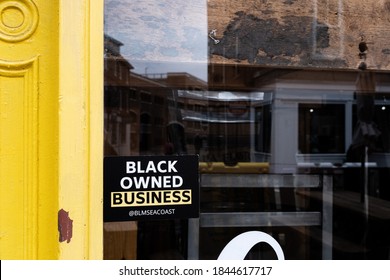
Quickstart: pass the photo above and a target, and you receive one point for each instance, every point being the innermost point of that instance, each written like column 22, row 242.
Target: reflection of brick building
column 137, row 105
column 134, row 105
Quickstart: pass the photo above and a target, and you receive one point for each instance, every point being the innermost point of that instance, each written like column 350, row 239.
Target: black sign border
column 114, row 169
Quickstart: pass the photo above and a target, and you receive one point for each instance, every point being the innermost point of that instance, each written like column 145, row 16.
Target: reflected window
column 320, row 128
column 382, row 119
column 263, row 128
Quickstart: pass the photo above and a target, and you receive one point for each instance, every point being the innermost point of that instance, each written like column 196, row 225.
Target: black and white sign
column 151, row 187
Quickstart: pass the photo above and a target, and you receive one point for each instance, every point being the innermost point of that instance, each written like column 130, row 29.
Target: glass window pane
column 285, row 102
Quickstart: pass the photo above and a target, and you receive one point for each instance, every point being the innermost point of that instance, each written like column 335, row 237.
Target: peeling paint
column 271, row 41
column 386, row 51
column 65, row 226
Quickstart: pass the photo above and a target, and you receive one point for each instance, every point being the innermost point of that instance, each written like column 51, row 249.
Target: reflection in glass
column 274, row 116
column 321, row 132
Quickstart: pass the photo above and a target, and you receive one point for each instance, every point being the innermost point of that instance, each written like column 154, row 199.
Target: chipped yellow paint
column 81, row 126
column 51, row 113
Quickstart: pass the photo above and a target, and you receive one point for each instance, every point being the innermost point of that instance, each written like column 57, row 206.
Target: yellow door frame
column 51, row 129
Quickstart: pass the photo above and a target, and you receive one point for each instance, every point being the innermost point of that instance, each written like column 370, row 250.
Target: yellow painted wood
column 28, row 129
column 51, row 119
column 18, row 159
column 94, row 48
column 81, row 111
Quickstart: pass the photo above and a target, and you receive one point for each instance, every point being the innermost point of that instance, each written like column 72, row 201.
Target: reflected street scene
column 286, row 104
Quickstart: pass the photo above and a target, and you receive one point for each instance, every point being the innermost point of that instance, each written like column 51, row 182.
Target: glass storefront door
column 287, row 105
